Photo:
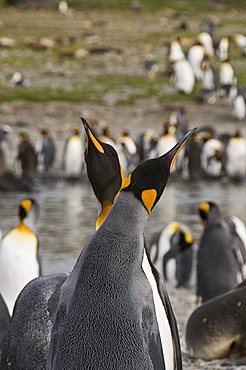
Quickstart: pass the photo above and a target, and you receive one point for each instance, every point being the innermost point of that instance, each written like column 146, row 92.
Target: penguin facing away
column 45, row 151
column 111, row 318
column 19, row 254
column 221, row 258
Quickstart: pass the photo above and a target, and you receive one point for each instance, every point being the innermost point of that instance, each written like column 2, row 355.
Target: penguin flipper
column 162, row 290
column 171, row 317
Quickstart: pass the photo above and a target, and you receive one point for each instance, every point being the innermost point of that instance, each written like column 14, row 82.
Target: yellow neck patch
column 95, row 142
column 26, row 204
column 174, row 158
column 24, row 229
column 101, row 218
column 188, row 238
column 127, row 182
column 148, row 198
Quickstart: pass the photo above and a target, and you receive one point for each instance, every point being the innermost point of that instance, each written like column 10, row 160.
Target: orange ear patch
column 95, row 142
column 127, row 182
column 148, row 198
column 27, row 205
column 204, row 206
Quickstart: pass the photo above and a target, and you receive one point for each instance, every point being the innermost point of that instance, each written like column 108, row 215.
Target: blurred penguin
column 205, row 38
column 27, row 157
column 237, row 101
column 45, row 151
column 171, row 253
column 223, row 48
column 208, row 92
column 147, row 145
column 221, row 256
column 19, row 254
column 240, row 41
column 211, row 158
column 73, row 157
column 195, row 56
column 129, row 148
column 191, row 165
column 226, row 77
column 175, row 52
column 236, row 157
column 182, row 75
column 63, row 7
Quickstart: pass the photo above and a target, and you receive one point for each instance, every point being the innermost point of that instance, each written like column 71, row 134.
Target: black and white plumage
column 237, row 101
column 45, row 149
column 19, row 254
column 171, row 253
column 183, row 76
column 235, row 165
column 27, row 157
column 73, row 155
column 211, row 158
column 115, row 268
column 221, row 258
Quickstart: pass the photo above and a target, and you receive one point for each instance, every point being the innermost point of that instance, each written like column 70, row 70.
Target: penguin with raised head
column 73, row 155
column 45, row 150
column 221, row 258
column 19, row 254
column 39, row 299
column 227, row 77
column 115, row 315
column 171, row 253
column 217, row 328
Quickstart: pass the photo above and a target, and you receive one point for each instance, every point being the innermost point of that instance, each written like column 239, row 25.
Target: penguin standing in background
column 195, row 56
column 235, row 165
column 175, row 51
column 19, row 254
column 226, row 77
column 191, row 165
column 115, row 314
column 146, row 145
column 221, row 258
column 73, row 155
column 45, row 151
column 171, row 253
column 178, row 119
column 211, row 158
column 206, row 40
column 181, row 73
column 240, row 41
column 27, row 157
column 208, row 93
column 237, row 101
column 223, row 48
column 129, row 148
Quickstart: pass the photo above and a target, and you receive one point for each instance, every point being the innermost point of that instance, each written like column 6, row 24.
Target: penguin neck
column 28, row 222
column 127, row 215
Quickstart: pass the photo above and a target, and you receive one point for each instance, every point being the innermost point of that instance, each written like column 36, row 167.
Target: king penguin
column 73, row 155
column 115, row 316
column 171, row 253
column 221, row 256
column 216, row 329
column 45, row 151
column 19, row 254
column 36, row 305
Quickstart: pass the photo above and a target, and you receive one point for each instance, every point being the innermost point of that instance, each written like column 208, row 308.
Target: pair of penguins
column 113, row 310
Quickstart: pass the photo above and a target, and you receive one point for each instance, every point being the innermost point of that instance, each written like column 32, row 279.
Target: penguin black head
column 180, row 239
column 27, row 206
column 104, row 171
column 75, row 131
column 209, row 213
column 44, row 132
column 24, row 136
column 148, row 180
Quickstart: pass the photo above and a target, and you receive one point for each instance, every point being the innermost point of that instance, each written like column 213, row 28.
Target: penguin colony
column 62, row 300
column 208, row 155
column 205, row 62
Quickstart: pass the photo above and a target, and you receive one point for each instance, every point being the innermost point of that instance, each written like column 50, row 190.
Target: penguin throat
column 102, row 216
column 23, row 228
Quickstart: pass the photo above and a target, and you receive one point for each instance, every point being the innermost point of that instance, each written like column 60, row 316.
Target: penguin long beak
column 173, row 153
column 91, row 137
